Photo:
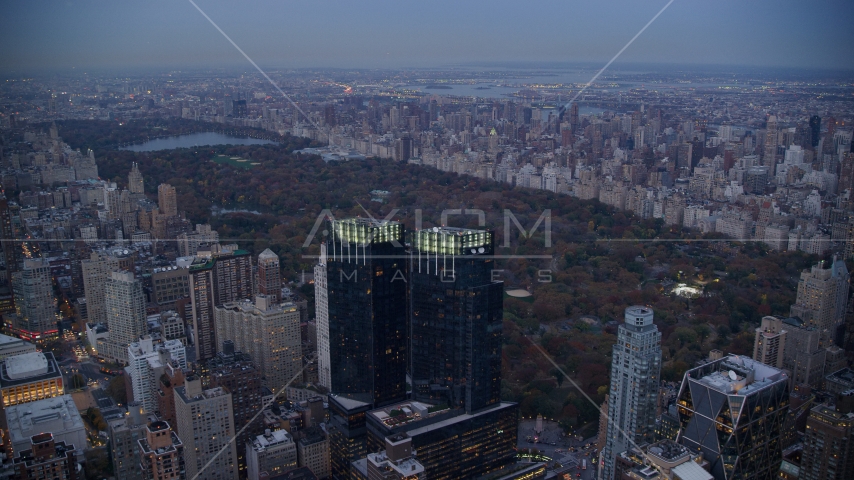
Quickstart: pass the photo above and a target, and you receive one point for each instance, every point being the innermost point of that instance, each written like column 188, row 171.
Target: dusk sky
column 40, row 34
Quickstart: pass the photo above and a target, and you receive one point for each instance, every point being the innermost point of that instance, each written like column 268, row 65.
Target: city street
column 552, row 443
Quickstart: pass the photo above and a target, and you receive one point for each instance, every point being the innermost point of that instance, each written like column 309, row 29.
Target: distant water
column 193, row 140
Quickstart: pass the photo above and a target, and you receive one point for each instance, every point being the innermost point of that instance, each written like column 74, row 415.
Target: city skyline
column 89, row 35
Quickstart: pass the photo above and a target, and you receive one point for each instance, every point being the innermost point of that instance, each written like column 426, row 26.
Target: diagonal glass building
column 732, row 411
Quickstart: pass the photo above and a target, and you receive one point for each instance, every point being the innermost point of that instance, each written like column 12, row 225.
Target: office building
column 125, row 433
column 321, row 306
column 770, row 153
column 29, row 377
column 457, row 312
column 313, row 451
column 722, row 405
column 828, row 444
column 348, row 434
column 269, row 276
column 367, row 309
column 167, row 200
column 662, row 460
column 161, row 453
column 35, row 304
column 823, row 297
column 770, row 342
column 450, row 443
column 57, row 415
column 396, row 462
column 237, row 374
column 225, row 276
column 635, row 378
column 11, row 346
column 206, row 426
column 269, row 333
column 47, row 458
column 274, row 452
column 125, row 307
column 147, row 361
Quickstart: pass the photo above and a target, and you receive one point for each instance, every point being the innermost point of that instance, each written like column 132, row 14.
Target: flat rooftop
column 28, row 368
column 740, row 375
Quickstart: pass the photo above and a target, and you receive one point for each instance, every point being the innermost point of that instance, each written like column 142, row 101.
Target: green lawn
column 234, row 161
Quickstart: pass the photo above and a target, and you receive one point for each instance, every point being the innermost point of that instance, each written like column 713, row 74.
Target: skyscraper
column 828, row 452
column 732, row 410
column 635, row 377
column 96, row 272
column 823, row 297
column 770, row 343
column 206, row 426
column 135, row 183
column 815, row 130
column 225, row 276
column 769, row 157
column 167, row 200
column 366, row 278
column 237, row 374
column 269, row 276
column 269, row 333
column 125, row 306
column 11, row 249
column 321, row 319
column 35, row 305
column 457, row 312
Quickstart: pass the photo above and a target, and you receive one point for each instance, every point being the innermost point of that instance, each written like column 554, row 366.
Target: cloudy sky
column 65, row 35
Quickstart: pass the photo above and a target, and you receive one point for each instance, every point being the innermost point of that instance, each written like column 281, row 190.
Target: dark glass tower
column 456, row 312
column 366, row 285
column 815, row 130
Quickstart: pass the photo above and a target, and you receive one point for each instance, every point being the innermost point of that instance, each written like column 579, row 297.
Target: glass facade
column 732, row 411
column 456, row 312
column 367, row 308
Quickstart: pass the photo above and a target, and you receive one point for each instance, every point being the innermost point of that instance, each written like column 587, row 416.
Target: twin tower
column 425, row 304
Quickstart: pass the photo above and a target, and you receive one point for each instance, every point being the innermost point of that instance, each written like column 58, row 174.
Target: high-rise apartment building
column 124, row 300
column 35, row 304
column 225, row 276
column 11, row 249
column 135, row 182
column 828, row 452
column 237, row 374
column 803, row 356
column 456, row 312
column 269, row 333
column 269, row 276
column 770, row 343
column 635, row 378
column 732, row 411
column 206, row 426
column 823, row 297
column 125, row 433
column 47, row 458
column 147, row 362
column 167, row 200
column 366, row 285
column 96, row 271
column 161, row 453
column 321, row 319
